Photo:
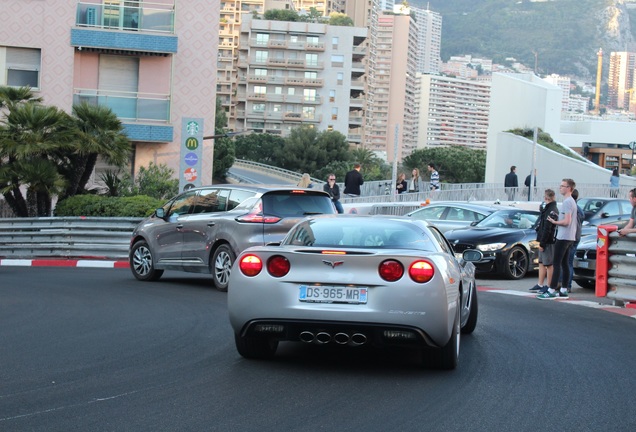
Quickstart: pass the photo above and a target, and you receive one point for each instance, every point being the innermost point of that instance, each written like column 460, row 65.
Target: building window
column 260, row 72
column 334, row 113
column 309, row 113
column 291, row 91
column 293, row 38
column 260, row 90
column 334, row 42
column 278, row 90
column 262, row 39
column 258, row 107
column 311, row 75
column 309, row 95
column 277, row 108
column 337, row 60
column 311, row 60
column 261, row 56
column 22, row 67
column 332, row 95
column 313, row 40
column 340, row 77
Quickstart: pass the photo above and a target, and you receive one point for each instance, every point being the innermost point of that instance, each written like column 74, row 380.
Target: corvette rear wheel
column 255, row 348
column 473, row 307
column 447, row 356
column 516, row 265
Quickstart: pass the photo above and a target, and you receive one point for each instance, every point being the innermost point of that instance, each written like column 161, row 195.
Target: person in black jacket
column 511, row 183
column 334, row 192
column 353, row 180
column 546, row 234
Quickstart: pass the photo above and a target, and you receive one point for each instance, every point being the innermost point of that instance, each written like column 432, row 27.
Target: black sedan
column 507, row 239
column 605, row 211
column 585, row 263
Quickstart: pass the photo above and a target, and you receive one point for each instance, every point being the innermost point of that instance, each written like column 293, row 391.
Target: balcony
column 128, row 106
column 122, row 27
column 305, row 82
column 314, row 46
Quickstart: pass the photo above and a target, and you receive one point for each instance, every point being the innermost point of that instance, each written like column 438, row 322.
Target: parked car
column 507, row 239
column 203, row 229
column 585, row 262
column 451, row 215
column 355, row 280
column 605, row 211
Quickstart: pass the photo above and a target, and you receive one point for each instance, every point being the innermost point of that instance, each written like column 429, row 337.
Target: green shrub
column 104, row 206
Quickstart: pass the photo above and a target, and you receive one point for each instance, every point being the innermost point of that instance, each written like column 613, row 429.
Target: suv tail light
column 256, row 216
column 391, row 270
column 278, row 266
column 421, row 271
column 250, row 265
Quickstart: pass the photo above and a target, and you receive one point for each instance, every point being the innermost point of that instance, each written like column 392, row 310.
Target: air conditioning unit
column 91, row 16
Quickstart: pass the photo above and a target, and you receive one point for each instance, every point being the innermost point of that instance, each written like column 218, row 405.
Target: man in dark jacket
column 546, row 233
column 529, row 181
column 353, row 180
column 511, row 183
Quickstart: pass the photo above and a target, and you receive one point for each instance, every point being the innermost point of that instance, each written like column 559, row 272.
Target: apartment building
column 394, row 88
column 620, row 80
column 151, row 63
column 429, row 40
column 232, row 14
column 295, row 73
column 453, row 111
column 564, row 84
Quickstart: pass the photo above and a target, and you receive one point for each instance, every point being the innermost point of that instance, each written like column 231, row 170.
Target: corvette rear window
column 353, row 233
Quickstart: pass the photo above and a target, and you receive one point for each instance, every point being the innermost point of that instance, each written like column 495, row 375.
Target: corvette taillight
column 391, row 270
column 421, row 271
column 278, row 266
column 250, row 265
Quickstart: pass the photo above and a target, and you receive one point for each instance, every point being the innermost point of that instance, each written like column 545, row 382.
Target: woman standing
column 334, row 191
column 614, row 180
column 401, row 185
column 305, row 181
column 415, row 184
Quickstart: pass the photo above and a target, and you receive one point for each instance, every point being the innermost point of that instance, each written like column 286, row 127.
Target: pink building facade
column 153, row 63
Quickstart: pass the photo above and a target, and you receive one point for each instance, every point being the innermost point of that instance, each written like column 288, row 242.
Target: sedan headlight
column 490, row 247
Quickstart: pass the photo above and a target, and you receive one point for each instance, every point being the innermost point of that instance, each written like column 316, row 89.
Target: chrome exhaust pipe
column 341, row 338
column 323, row 338
column 307, row 337
column 358, row 339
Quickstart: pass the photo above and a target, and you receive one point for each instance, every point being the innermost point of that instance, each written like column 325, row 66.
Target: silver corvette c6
column 355, row 280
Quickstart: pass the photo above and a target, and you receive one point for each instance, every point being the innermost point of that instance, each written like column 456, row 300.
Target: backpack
column 579, row 223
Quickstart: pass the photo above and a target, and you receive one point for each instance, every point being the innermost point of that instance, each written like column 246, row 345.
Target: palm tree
column 31, row 138
column 11, row 96
column 101, row 133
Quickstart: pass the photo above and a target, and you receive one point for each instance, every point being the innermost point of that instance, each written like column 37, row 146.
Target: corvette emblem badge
column 333, row 264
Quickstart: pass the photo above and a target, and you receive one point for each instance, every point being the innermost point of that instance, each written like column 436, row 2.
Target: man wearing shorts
column 546, row 238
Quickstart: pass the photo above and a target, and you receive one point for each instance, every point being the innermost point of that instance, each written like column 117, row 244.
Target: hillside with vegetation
column 563, row 36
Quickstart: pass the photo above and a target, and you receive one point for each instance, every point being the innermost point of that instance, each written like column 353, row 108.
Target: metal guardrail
column 615, row 265
column 66, row 237
column 293, row 176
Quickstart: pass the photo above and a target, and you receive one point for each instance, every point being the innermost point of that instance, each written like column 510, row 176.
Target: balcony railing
column 128, row 105
column 151, row 17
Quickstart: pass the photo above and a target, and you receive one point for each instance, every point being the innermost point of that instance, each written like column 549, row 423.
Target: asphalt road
column 96, row 350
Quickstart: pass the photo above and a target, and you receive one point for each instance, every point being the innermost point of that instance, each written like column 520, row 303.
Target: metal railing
column 66, row 237
column 152, row 17
column 288, row 175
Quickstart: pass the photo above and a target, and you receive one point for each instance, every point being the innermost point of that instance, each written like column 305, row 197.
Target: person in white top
column 566, row 235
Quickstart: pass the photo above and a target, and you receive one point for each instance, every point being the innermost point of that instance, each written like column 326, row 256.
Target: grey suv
column 203, row 229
